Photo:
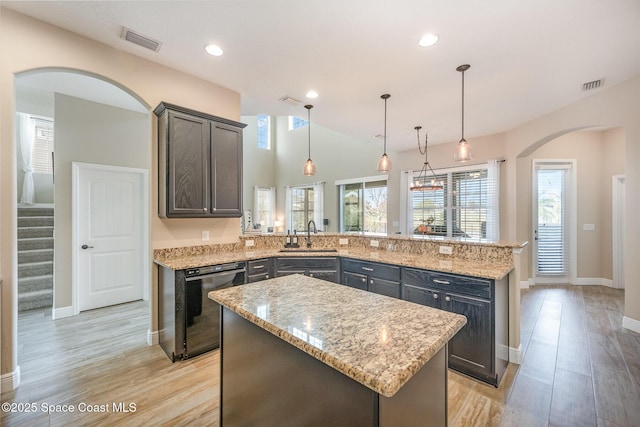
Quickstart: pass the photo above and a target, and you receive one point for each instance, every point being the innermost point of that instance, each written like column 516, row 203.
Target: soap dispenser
column 287, row 240
column 294, row 240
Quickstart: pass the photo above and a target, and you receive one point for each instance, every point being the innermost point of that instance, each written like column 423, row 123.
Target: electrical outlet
column 205, row 235
column 344, row 241
column 249, row 242
column 446, row 250
column 375, row 243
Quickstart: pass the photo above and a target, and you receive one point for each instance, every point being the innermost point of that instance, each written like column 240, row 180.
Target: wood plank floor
column 580, row 368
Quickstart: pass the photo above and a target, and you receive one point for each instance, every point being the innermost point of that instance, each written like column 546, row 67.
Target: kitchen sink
column 307, row 250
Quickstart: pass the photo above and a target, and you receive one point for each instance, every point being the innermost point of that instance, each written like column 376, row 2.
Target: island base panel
column 266, row 381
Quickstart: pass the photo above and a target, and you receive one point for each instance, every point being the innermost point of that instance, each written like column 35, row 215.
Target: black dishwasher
column 189, row 321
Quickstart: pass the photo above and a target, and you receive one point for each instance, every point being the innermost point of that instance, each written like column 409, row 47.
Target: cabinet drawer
column 260, row 266
column 373, row 269
column 259, row 277
column 460, row 284
column 307, row 263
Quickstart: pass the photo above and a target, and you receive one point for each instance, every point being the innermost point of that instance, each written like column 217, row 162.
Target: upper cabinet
column 199, row 164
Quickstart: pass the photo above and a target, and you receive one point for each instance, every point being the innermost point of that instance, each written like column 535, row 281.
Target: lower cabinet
column 380, row 278
column 480, row 348
column 324, row 268
column 260, row 269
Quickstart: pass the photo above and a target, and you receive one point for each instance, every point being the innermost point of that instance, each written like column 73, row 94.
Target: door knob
column 86, row 247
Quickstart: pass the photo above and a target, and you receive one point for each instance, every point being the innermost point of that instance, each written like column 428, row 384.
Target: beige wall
column 21, row 49
column 89, row 132
column 594, row 204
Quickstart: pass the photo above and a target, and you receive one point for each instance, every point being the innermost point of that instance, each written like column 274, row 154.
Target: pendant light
column 424, row 182
column 463, row 152
column 384, row 164
column 309, row 167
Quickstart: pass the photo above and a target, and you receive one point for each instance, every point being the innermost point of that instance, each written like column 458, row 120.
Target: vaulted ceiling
column 528, row 58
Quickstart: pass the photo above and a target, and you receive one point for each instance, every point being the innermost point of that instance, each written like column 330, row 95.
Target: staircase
column 35, row 258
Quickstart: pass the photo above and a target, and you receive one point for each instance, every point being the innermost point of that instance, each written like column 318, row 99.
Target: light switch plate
column 205, row 235
column 249, row 243
column 446, row 250
column 344, row 241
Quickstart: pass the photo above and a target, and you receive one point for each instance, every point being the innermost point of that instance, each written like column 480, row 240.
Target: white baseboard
column 515, row 354
column 579, row 281
column 10, row 381
column 61, row 313
column 631, row 324
column 153, row 337
column 524, row 284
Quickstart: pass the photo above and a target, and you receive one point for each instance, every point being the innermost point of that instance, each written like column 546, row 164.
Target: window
column 301, row 207
column 264, row 132
column 42, row 149
column 466, row 206
column 264, row 207
column 363, row 205
column 296, row 122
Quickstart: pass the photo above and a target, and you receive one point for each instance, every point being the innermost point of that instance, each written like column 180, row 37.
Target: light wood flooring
column 580, row 368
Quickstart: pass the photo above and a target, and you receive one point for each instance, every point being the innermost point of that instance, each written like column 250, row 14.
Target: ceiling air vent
column 592, row 85
column 140, row 40
column 289, row 100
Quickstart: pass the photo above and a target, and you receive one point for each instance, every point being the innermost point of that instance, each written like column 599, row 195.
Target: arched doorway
column 96, row 121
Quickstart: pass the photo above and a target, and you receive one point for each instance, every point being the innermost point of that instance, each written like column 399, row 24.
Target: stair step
column 35, row 243
column 35, row 255
column 35, row 221
column 35, row 283
column 29, row 232
column 35, row 299
column 35, row 211
column 32, row 269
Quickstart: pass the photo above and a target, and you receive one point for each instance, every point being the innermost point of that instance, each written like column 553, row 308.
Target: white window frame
column 363, row 182
column 267, row 118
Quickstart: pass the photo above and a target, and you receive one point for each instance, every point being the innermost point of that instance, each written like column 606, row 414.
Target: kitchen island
column 301, row 351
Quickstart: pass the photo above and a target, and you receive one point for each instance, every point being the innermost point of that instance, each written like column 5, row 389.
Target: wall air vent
column 289, row 100
column 140, row 40
column 593, row 84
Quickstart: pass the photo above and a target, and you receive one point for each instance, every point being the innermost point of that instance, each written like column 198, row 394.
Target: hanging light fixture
column 463, row 152
column 384, row 164
column 309, row 167
column 424, row 182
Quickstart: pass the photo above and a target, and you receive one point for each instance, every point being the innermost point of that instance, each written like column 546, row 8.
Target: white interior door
column 109, row 237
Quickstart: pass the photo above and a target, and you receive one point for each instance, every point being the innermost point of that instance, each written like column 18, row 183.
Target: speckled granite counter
column 489, row 269
column 378, row 341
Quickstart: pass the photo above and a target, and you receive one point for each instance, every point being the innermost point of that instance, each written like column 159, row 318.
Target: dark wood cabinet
column 259, row 269
column 383, row 279
column 199, row 164
column 480, row 348
column 325, row 268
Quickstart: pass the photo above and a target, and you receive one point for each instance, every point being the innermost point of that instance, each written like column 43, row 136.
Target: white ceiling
column 528, row 57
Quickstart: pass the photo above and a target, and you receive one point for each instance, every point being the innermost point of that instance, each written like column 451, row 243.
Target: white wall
column 258, row 165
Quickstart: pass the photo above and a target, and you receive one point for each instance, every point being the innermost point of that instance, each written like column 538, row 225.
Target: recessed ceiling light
column 312, row 94
column 213, row 50
column 429, row 40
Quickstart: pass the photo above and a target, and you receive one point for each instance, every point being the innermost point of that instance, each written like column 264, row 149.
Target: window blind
column 41, row 160
column 552, row 230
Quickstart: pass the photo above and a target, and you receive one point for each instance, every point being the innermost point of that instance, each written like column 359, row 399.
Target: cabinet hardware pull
column 364, row 280
column 367, row 269
column 258, row 267
column 310, row 274
column 371, row 281
column 204, row 209
column 267, row 276
column 86, row 247
column 442, row 282
column 447, row 298
column 435, row 296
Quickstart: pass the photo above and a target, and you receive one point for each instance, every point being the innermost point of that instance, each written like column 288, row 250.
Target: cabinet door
column 421, row 295
column 226, row 170
column 384, row 287
column 471, row 349
column 187, row 168
column 355, row 280
column 329, row 276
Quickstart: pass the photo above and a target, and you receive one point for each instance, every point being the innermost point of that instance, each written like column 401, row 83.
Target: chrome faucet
column 315, row 231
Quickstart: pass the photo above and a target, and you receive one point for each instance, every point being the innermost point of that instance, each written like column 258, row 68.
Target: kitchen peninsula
column 301, row 351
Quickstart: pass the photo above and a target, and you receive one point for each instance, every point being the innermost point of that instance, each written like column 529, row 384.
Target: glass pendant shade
column 463, row 153
column 384, row 164
column 309, row 168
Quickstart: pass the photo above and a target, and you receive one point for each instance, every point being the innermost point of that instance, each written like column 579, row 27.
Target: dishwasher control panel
column 199, row 271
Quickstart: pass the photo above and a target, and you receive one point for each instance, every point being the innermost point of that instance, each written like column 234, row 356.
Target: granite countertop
column 486, row 270
column 379, row 341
